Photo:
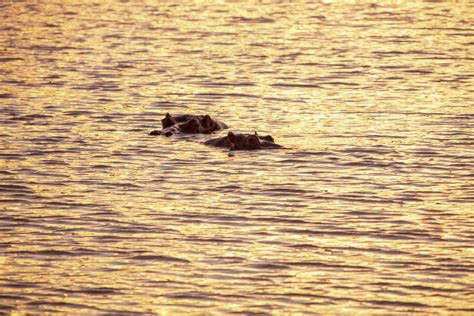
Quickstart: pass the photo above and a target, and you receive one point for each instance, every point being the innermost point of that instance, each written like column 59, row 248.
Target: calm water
column 367, row 210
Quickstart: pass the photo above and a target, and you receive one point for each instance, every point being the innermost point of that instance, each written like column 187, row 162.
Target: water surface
column 368, row 209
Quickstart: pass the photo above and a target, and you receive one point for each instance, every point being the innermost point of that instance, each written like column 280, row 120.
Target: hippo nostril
column 168, row 134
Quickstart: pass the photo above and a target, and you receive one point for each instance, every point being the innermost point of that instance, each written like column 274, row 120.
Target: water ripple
column 366, row 209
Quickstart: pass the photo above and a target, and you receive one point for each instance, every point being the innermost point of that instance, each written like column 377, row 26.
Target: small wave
column 61, row 304
column 6, row 307
column 268, row 266
column 223, row 95
column 93, row 291
column 31, row 117
column 424, row 288
column 468, row 310
column 15, row 188
column 160, row 258
column 304, row 246
column 296, row 85
column 51, row 48
column 215, row 240
column 201, row 296
column 252, row 20
column 47, row 253
column 339, row 83
column 12, row 297
column 399, row 303
column 7, row 96
column 331, row 265
column 8, row 59
column 78, row 113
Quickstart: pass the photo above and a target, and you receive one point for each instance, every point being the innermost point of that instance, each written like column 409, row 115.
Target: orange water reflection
column 366, row 210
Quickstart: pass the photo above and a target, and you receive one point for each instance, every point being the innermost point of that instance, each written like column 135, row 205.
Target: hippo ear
column 231, row 136
column 256, row 133
column 168, row 121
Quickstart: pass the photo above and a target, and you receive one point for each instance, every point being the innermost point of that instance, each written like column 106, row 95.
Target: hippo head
column 168, row 121
column 191, row 126
column 268, row 138
column 243, row 142
column 208, row 124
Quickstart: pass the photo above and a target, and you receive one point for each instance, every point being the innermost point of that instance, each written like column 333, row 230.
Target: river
column 368, row 208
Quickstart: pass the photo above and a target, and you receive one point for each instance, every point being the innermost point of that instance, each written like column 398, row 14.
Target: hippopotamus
column 188, row 124
column 243, row 142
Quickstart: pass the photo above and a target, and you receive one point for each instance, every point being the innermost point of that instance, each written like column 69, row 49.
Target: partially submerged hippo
column 188, row 124
column 243, row 142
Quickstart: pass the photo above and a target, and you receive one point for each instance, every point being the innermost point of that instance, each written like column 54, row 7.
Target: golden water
column 368, row 209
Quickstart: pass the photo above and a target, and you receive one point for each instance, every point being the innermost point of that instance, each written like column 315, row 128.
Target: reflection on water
column 366, row 210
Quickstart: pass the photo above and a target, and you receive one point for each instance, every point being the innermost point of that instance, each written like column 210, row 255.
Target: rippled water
column 368, row 209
